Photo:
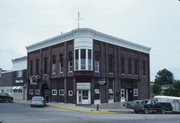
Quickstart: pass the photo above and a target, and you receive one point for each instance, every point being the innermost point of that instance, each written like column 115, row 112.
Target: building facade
column 19, row 73
column 84, row 66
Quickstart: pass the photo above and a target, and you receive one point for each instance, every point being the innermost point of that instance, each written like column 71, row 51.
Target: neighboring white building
column 19, row 78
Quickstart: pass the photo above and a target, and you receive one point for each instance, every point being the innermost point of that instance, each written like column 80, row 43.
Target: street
column 23, row 113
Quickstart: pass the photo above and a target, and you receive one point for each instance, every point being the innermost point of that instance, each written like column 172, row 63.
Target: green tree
column 172, row 92
column 156, row 89
column 164, row 77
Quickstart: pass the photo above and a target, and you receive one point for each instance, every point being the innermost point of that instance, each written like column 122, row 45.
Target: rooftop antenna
column 79, row 19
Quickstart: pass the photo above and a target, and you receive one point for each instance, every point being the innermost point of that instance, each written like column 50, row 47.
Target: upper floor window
column 70, row 62
column 122, row 65
column 37, row 66
column 129, row 66
column 76, row 59
column 110, row 63
column 19, row 73
column 136, row 67
column 61, row 65
column 96, row 62
column 83, row 59
column 53, row 64
column 31, row 68
column 144, row 67
column 45, row 65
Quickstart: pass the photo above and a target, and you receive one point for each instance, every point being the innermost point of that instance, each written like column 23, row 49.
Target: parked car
column 154, row 106
column 4, row 97
column 38, row 101
column 139, row 106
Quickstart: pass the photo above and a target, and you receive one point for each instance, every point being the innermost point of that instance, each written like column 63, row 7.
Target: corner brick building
column 84, row 66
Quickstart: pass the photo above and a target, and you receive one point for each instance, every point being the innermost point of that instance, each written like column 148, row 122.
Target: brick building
column 85, row 66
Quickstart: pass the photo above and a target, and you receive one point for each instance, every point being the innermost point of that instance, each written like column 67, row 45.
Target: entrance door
column 83, row 97
column 130, row 94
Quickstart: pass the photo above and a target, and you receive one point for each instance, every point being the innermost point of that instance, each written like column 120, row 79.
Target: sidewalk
column 84, row 109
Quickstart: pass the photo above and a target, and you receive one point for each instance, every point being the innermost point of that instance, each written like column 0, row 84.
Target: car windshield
column 149, row 102
column 38, row 98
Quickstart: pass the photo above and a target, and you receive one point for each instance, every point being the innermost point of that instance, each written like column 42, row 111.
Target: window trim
column 54, row 92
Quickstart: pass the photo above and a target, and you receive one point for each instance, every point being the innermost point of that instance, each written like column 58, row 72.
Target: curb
column 82, row 111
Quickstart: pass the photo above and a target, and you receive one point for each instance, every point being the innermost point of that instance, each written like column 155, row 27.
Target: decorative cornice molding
column 86, row 32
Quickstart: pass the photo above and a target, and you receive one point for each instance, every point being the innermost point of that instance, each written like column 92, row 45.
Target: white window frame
column 61, row 68
column 70, row 67
column 53, row 68
column 31, row 91
column 135, row 92
column 70, row 92
column 54, row 92
column 122, row 93
column 37, row 91
column 60, row 92
column 96, row 91
column 96, row 66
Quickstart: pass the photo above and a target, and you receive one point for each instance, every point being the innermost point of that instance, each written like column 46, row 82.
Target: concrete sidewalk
column 84, row 109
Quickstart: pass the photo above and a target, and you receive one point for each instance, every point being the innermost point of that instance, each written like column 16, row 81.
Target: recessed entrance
column 45, row 92
column 83, row 93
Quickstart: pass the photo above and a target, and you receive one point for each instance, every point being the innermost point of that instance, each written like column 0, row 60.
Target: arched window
column 53, row 64
column 70, row 62
column 61, row 65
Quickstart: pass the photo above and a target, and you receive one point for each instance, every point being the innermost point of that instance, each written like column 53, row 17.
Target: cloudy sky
column 153, row 23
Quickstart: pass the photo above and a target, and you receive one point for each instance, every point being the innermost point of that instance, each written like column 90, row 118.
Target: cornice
column 86, row 32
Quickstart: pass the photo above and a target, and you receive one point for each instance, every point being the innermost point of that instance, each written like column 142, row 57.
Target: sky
column 153, row 23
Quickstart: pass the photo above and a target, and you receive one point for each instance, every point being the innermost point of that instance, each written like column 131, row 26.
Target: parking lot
column 23, row 113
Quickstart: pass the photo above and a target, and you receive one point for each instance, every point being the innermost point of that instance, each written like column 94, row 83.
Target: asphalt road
column 22, row 113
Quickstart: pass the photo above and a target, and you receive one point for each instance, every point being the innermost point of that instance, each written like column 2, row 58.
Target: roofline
column 88, row 33
column 19, row 59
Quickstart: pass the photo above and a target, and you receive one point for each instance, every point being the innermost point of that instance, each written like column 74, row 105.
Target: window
column 31, row 68
column 70, row 93
column 37, row 92
column 31, row 91
column 96, row 91
column 129, row 65
column 70, row 62
column 144, row 68
column 135, row 92
column 85, row 94
column 19, row 73
column 83, row 59
column 61, row 92
column 110, row 90
column 54, row 92
column 37, row 66
column 110, row 63
column 54, row 65
column 123, row 93
column 89, row 59
column 122, row 65
column 45, row 65
column 136, row 67
column 96, row 63
column 76, row 59
column 61, row 66
column 19, row 91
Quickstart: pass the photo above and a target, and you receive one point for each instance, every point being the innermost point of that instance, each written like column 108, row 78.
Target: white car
column 38, row 101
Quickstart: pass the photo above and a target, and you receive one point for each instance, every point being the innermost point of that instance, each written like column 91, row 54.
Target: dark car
column 139, row 106
column 4, row 97
column 38, row 101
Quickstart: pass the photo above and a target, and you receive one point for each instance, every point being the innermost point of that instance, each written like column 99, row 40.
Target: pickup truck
column 6, row 98
column 152, row 106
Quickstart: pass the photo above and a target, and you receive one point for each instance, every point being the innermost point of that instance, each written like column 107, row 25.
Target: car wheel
column 135, row 111
column 162, row 111
column 146, row 111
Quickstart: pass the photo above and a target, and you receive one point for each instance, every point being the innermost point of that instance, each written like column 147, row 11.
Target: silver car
column 38, row 101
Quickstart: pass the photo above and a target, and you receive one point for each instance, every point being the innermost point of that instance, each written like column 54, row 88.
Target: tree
column 164, row 77
column 172, row 92
column 156, row 89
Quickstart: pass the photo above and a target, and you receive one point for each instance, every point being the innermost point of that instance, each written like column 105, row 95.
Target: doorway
column 45, row 92
column 129, row 94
